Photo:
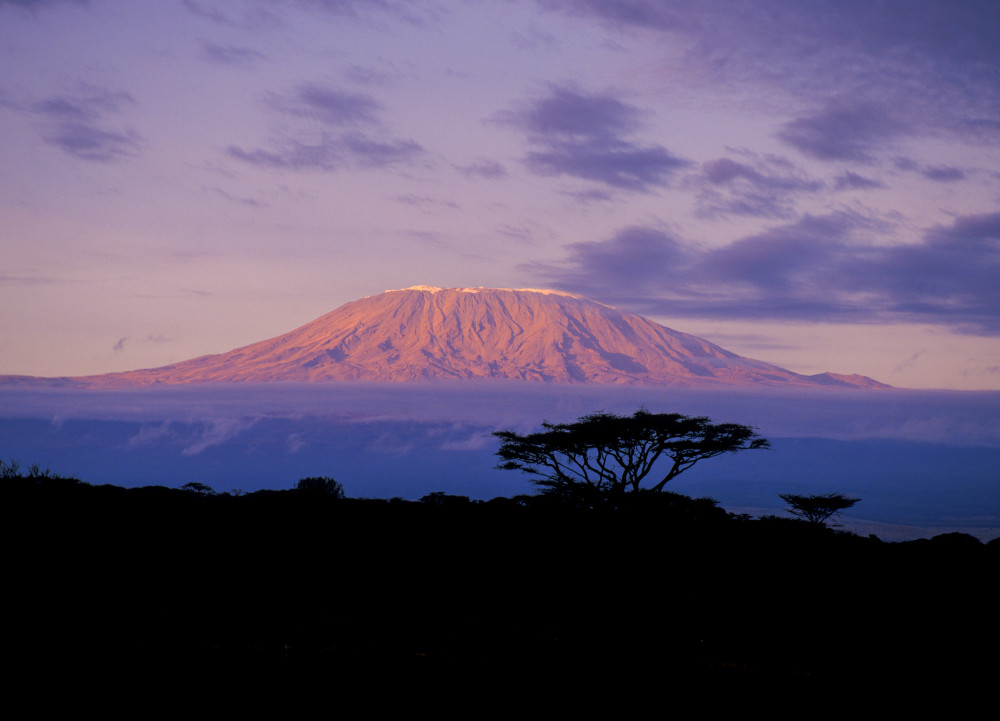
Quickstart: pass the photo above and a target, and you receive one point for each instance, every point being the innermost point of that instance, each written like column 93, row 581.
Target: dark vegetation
column 599, row 458
column 660, row 585
column 817, row 508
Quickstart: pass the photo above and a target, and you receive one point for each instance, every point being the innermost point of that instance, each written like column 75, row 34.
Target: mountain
column 424, row 333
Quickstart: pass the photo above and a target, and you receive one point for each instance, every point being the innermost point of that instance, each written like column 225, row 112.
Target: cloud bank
column 821, row 268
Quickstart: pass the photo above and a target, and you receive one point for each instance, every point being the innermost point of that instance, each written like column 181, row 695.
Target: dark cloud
column 33, row 4
column 621, row 165
column 843, row 130
column 764, row 189
column 293, row 155
column 943, row 174
column 937, row 173
column 89, row 142
column 331, row 106
column 568, row 114
column 356, row 142
column 934, row 63
column 639, row 259
column 230, row 54
column 584, row 136
column 77, row 124
column 330, row 154
column 849, row 180
column 819, row 268
column 640, row 13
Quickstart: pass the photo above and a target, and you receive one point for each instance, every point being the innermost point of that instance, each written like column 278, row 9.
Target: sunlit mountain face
column 424, row 333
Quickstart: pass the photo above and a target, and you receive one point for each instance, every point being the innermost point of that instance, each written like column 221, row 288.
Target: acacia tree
column 602, row 455
column 817, row 508
column 320, row 486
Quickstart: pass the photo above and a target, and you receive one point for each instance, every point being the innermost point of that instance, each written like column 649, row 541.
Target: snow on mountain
column 425, row 333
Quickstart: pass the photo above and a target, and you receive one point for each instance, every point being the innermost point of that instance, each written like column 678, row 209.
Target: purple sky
column 812, row 184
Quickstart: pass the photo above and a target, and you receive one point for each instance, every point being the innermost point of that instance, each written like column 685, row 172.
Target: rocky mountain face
column 424, row 333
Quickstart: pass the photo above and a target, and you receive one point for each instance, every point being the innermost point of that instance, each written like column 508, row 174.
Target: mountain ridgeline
column 423, row 334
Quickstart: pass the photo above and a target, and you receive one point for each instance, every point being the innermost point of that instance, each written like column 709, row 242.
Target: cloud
column 849, row 180
column 583, row 135
column 88, row 142
column 330, row 106
column 77, row 125
column 32, row 4
column 636, row 262
column 937, row 173
column 350, row 134
column 484, row 168
column 245, row 200
column 362, row 75
column 217, row 431
column 818, row 268
column 843, row 130
column 119, row 346
column 943, row 174
column 764, row 189
column 933, row 63
column 230, row 54
column 640, row 13
column 424, row 201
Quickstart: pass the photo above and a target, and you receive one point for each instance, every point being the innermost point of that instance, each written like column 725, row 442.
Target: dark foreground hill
column 682, row 590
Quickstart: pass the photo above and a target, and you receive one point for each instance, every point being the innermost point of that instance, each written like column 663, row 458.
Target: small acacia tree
column 817, row 508
column 321, row 486
column 603, row 455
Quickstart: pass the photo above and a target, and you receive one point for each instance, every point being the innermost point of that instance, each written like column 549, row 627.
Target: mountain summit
column 426, row 333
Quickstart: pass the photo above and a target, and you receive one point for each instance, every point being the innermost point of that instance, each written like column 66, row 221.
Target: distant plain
column 923, row 462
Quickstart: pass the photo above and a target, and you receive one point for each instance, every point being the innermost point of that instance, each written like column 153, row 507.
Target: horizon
column 816, row 188
column 925, row 459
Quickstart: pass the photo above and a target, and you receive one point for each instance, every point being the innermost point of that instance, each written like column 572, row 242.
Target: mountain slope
column 424, row 333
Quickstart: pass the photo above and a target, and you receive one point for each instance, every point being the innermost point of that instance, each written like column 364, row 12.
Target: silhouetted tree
column 322, row 485
column 817, row 508
column 602, row 455
column 199, row 488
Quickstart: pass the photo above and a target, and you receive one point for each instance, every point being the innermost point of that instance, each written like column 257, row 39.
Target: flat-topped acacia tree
column 608, row 455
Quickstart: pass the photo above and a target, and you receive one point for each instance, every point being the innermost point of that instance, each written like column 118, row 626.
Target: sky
column 813, row 184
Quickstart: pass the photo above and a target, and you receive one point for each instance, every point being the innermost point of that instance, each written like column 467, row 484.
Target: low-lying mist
column 914, row 457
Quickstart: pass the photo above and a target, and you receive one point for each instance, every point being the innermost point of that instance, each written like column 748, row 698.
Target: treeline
column 308, row 576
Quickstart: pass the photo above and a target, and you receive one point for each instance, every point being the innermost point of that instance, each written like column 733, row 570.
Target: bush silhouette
column 320, row 485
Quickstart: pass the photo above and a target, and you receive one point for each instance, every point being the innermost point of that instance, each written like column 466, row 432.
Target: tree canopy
column 608, row 454
column 817, row 508
column 320, row 486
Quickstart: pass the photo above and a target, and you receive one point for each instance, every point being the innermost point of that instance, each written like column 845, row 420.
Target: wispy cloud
column 849, row 180
column 762, row 187
column 78, row 124
column 483, row 168
column 230, row 54
column 350, row 135
column 585, row 135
